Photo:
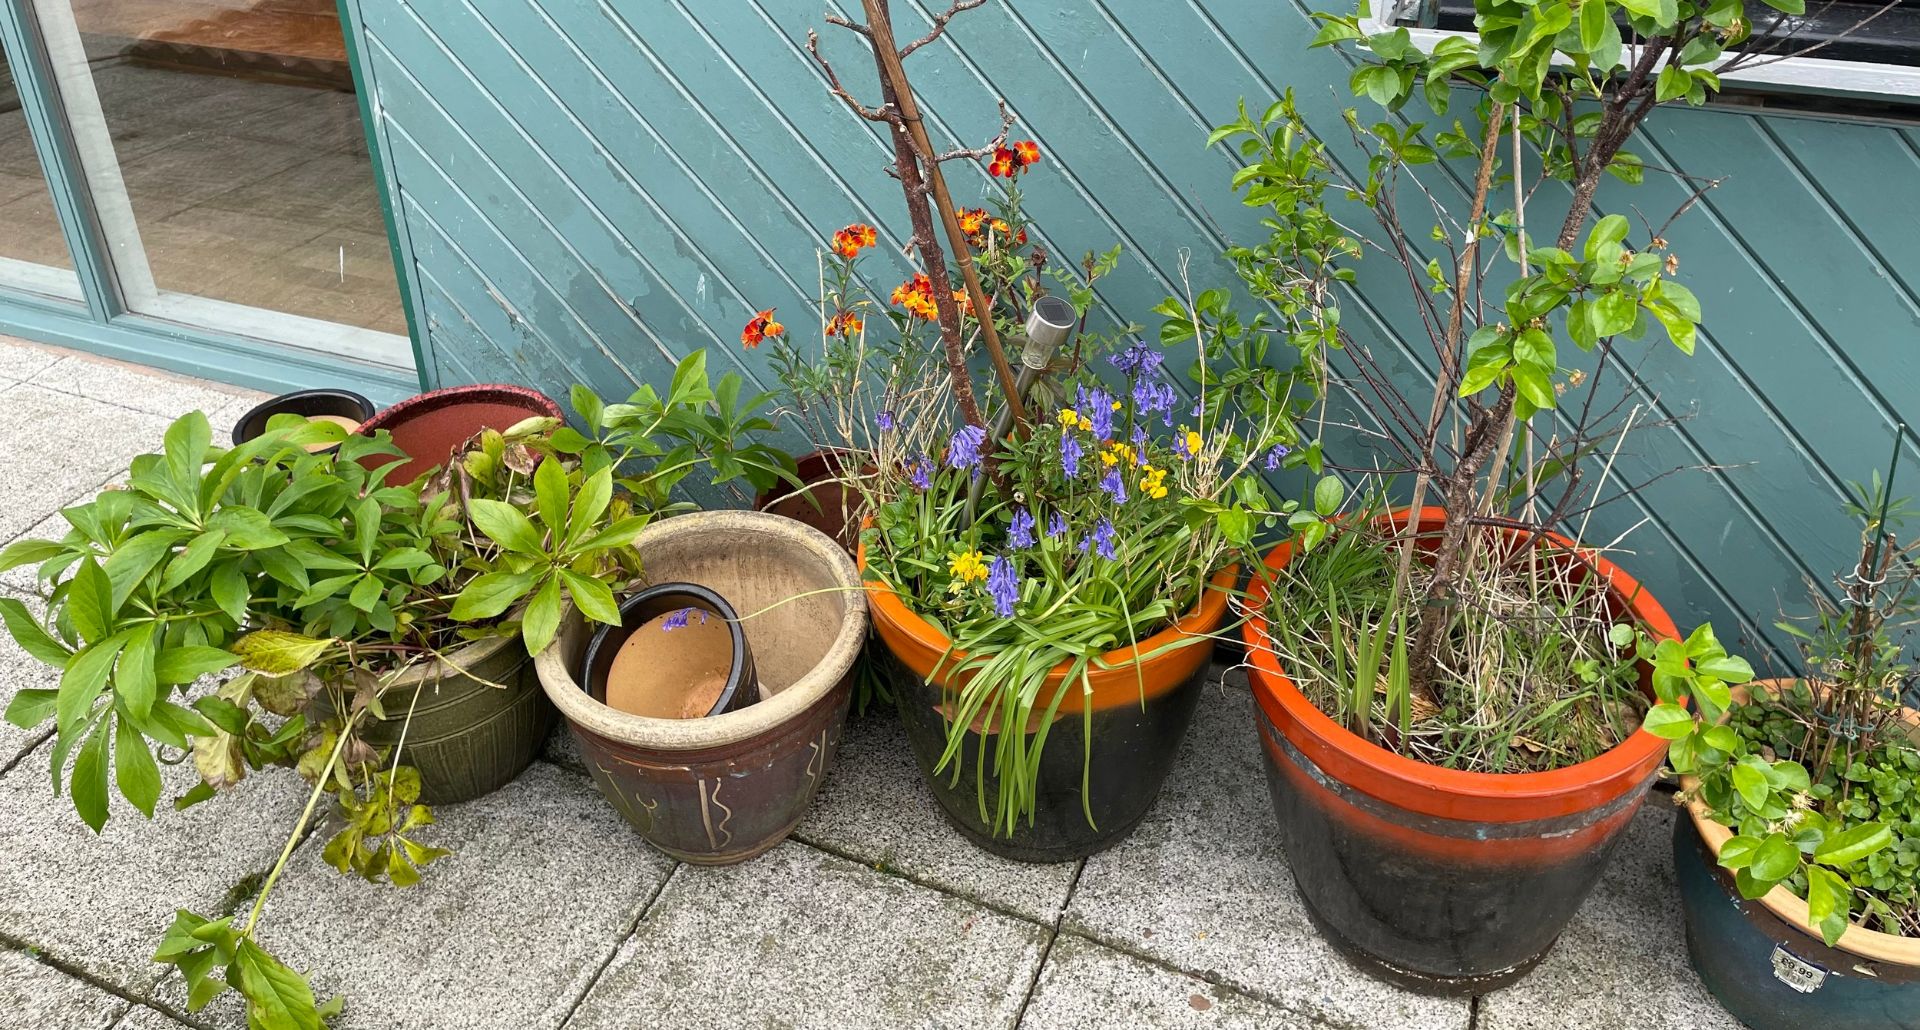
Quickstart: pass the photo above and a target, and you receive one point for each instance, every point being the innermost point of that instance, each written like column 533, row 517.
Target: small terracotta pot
column 723, row 789
column 1140, row 711
column 1442, row 880
column 742, row 686
column 306, row 403
column 824, row 503
column 429, row 426
column 1761, row 960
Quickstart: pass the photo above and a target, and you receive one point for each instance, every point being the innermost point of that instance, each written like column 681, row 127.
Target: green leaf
column 595, row 494
column 1327, row 495
column 132, row 560
column 1673, row 82
column 1680, row 299
column 1613, row 312
column 29, row 552
column 1726, row 668
column 134, row 680
column 90, row 602
column 550, row 494
column 247, row 529
column 186, row 445
column 1594, row 18
column 277, row 997
column 1668, row 721
column 198, row 552
column 1536, row 348
column 1611, row 229
column 84, row 679
column 30, row 636
column 134, row 768
column 592, row 597
column 1738, row 852
column 1775, row 860
column 691, row 384
column 1828, row 902
column 31, row 707
column 278, row 652
column 506, row 525
column 542, row 620
column 1853, row 844
column 89, row 785
column 620, row 534
column 1793, row 7
column 1751, row 782
column 490, row 594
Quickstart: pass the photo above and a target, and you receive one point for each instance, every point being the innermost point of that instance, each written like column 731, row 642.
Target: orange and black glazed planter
column 1442, row 880
column 1141, row 711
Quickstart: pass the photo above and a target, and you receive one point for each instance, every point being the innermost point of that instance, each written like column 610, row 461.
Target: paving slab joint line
column 1322, row 1019
column 918, row 881
column 68, row 969
column 1046, row 950
column 1473, row 1012
column 633, row 927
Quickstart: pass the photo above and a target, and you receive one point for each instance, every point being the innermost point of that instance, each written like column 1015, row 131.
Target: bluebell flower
column 883, row 419
column 1020, row 533
column 1114, row 485
column 1057, row 524
column 920, row 472
column 1102, row 540
column 1070, row 453
column 963, row 451
column 1004, row 585
column 1138, row 359
column 1140, row 441
column 1274, row 455
column 678, row 619
column 1098, row 405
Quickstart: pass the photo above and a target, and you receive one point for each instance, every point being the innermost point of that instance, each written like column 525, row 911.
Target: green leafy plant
column 323, row 584
column 1816, row 776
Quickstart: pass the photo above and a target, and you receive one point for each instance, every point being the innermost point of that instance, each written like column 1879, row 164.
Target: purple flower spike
column 1098, row 404
column 1020, row 533
column 963, row 452
column 1114, row 485
column 1070, row 453
column 883, row 419
column 920, row 472
column 1103, row 539
column 1279, row 451
column 1138, row 359
column 1057, row 524
column 1140, row 443
column 1004, row 585
column 678, row 620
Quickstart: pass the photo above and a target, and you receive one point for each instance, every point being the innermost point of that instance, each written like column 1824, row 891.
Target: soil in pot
column 1446, row 881
column 1138, row 713
column 429, row 426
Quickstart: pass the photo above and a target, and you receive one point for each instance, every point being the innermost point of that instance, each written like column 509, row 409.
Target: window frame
column 1806, row 76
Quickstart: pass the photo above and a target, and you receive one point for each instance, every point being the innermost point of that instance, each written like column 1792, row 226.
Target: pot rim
column 329, row 392
column 1208, row 610
column 510, row 393
column 556, row 679
column 1411, row 780
column 1790, row 907
column 740, row 666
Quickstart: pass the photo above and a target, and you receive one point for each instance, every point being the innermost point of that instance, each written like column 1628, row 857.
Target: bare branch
column 986, row 149
column 851, row 26
column 940, row 24
column 872, row 114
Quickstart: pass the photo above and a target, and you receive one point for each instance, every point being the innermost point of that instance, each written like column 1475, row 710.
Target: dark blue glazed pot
column 1773, row 975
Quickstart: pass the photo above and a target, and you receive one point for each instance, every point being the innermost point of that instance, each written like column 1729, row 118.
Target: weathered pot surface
column 1140, row 712
column 1762, row 963
column 723, row 789
column 1441, row 880
column 427, row 427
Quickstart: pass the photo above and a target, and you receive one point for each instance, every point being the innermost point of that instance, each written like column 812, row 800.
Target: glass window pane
column 238, row 139
column 33, row 254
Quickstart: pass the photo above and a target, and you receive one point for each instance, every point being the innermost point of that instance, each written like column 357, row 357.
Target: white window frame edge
column 1817, row 75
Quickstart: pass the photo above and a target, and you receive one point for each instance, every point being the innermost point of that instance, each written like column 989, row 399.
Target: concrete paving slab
column 38, row 997
column 20, row 360
column 1203, row 886
column 141, row 389
column 1084, row 986
column 21, row 671
column 798, row 937
column 876, row 809
column 55, row 447
column 140, row 1017
column 544, row 882
column 99, row 904
column 1623, row 960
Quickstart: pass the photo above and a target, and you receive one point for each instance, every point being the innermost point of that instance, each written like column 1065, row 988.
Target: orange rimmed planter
column 1140, row 714
column 1442, row 880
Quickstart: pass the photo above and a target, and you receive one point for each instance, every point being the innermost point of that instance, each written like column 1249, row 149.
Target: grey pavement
column 551, row 913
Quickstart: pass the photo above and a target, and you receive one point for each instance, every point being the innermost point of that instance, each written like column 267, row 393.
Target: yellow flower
column 1153, row 484
column 968, row 566
column 1069, row 418
column 1193, row 442
column 1117, row 453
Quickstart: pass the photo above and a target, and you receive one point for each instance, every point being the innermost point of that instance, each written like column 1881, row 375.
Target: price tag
column 1796, row 972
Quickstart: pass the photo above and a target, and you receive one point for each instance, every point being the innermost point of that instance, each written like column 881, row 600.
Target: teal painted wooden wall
column 590, row 190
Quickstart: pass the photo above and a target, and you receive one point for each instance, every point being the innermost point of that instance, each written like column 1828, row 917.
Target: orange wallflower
column 853, row 239
column 916, row 295
column 760, row 327
column 846, row 323
column 1010, row 162
column 1027, row 152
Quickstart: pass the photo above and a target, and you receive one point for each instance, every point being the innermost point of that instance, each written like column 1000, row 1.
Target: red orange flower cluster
column 846, row 323
column 760, row 327
column 980, row 227
column 916, row 295
column 1008, row 162
column 853, row 239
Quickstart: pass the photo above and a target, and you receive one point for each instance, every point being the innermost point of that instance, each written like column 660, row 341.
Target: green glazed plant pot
column 722, row 789
column 468, row 737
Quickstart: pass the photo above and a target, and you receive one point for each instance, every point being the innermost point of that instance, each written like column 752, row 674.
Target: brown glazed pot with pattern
column 722, row 789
